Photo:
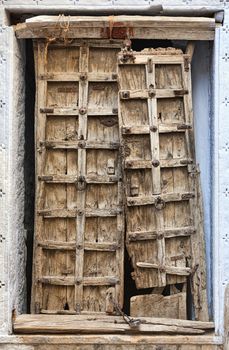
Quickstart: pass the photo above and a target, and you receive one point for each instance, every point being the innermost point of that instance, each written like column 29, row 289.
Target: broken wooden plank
column 172, row 270
column 156, row 305
column 70, row 324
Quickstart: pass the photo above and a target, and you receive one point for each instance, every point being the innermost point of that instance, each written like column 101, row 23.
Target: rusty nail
column 82, row 110
column 155, row 163
column 153, row 128
column 125, row 94
column 127, row 130
column 83, row 76
column 151, row 93
column 81, row 144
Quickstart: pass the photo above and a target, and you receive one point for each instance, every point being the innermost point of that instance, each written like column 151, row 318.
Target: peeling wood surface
column 160, row 194
column 156, row 305
column 131, row 347
column 79, row 238
column 119, row 27
column 96, row 324
column 101, row 340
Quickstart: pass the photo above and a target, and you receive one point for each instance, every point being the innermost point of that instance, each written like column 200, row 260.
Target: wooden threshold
column 119, row 27
column 109, row 339
column 86, row 324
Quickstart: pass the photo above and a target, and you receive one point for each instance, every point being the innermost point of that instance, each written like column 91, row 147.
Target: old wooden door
column 163, row 213
column 79, row 233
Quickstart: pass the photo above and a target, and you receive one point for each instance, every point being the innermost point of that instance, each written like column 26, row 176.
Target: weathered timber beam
column 151, row 93
column 72, row 213
column 86, row 281
column 90, row 179
column 156, row 234
column 76, row 77
column 163, row 128
column 164, row 163
column 154, row 199
column 71, row 324
column 74, row 111
column 92, row 246
column 158, row 27
column 172, row 270
column 79, row 144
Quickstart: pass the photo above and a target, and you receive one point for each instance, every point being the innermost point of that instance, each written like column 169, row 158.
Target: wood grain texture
column 79, row 238
column 139, row 27
column 156, row 305
column 96, row 324
column 160, row 193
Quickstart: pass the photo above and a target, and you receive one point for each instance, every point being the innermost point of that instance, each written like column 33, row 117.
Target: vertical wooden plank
column 40, row 123
column 198, row 278
column 119, row 287
column 81, row 193
column 154, row 127
column 156, row 169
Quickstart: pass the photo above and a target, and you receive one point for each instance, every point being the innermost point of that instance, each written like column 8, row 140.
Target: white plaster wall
column 12, row 243
column 202, row 110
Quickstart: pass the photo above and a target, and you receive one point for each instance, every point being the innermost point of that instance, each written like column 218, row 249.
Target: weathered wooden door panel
column 78, row 251
column 159, row 169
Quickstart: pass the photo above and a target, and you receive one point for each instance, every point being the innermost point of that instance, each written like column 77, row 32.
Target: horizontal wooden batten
column 154, row 93
column 79, row 145
column 163, row 128
column 164, row 163
column 172, row 270
column 91, row 246
column 86, row 281
column 157, row 234
column 89, row 179
column 74, row 111
column 72, row 213
column 139, row 27
column 76, row 77
column 158, row 200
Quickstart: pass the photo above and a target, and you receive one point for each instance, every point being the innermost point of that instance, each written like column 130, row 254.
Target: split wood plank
column 156, row 305
column 70, row 324
column 120, row 341
column 198, row 261
column 207, row 326
column 152, row 27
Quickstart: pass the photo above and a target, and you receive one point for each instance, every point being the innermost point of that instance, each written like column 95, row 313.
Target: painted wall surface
column 202, row 111
column 212, row 143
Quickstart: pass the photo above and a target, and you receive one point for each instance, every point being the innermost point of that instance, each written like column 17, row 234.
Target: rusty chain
column 132, row 322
